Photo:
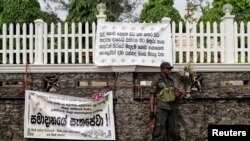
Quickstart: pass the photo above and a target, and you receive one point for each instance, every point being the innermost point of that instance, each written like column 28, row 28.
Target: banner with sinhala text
column 55, row 116
column 145, row 44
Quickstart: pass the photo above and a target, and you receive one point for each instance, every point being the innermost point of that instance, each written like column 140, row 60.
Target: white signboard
column 119, row 44
column 55, row 116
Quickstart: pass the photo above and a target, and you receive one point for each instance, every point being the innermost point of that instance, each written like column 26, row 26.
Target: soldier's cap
column 166, row 65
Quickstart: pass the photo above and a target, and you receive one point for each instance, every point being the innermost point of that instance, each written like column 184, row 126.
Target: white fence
column 58, row 44
column 54, row 46
column 199, row 47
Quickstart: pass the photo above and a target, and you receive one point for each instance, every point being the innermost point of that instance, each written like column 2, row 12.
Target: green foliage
column 50, row 17
column 1, row 6
column 241, row 10
column 212, row 15
column 158, row 12
column 1, row 19
column 117, row 8
column 155, row 10
column 163, row 2
column 23, row 11
column 85, row 10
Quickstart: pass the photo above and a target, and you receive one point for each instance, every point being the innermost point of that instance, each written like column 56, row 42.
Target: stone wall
column 215, row 104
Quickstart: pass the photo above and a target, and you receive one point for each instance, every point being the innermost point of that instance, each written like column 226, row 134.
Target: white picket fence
column 59, row 46
column 65, row 44
column 199, row 47
column 212, row 46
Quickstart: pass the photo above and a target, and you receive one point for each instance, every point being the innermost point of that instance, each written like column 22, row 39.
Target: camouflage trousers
column 165, row 126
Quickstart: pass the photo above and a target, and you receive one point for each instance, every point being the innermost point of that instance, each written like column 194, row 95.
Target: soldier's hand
column 180, row 93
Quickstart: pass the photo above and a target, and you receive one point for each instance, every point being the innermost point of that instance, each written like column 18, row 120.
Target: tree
column 129, row 13
column 24, row 11
column 241, row 10
column 58, row 5
column 198, row 5
column 1, row 10
column 155, row 10
column 85, row 10
column 1, row 6
column 195, row 6
column 123, row 10
column 189, row 13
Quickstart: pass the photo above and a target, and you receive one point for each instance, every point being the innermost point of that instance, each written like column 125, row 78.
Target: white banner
column 119, row 44
column 55, row 116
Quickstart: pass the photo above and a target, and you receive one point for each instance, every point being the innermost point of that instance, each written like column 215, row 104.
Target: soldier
column 162, row 95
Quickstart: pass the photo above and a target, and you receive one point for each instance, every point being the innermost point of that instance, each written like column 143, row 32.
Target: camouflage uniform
column 165, row 129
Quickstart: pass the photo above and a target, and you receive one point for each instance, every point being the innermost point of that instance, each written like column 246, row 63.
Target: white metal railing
column 60, row 45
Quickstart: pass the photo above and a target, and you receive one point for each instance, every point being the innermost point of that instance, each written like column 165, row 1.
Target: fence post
column 167, row 21
column 39, row 23
column 101, row 17
column 228, row 21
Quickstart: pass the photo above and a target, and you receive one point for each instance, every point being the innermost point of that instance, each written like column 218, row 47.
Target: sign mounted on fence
column 119, row 44
column 55, row 116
